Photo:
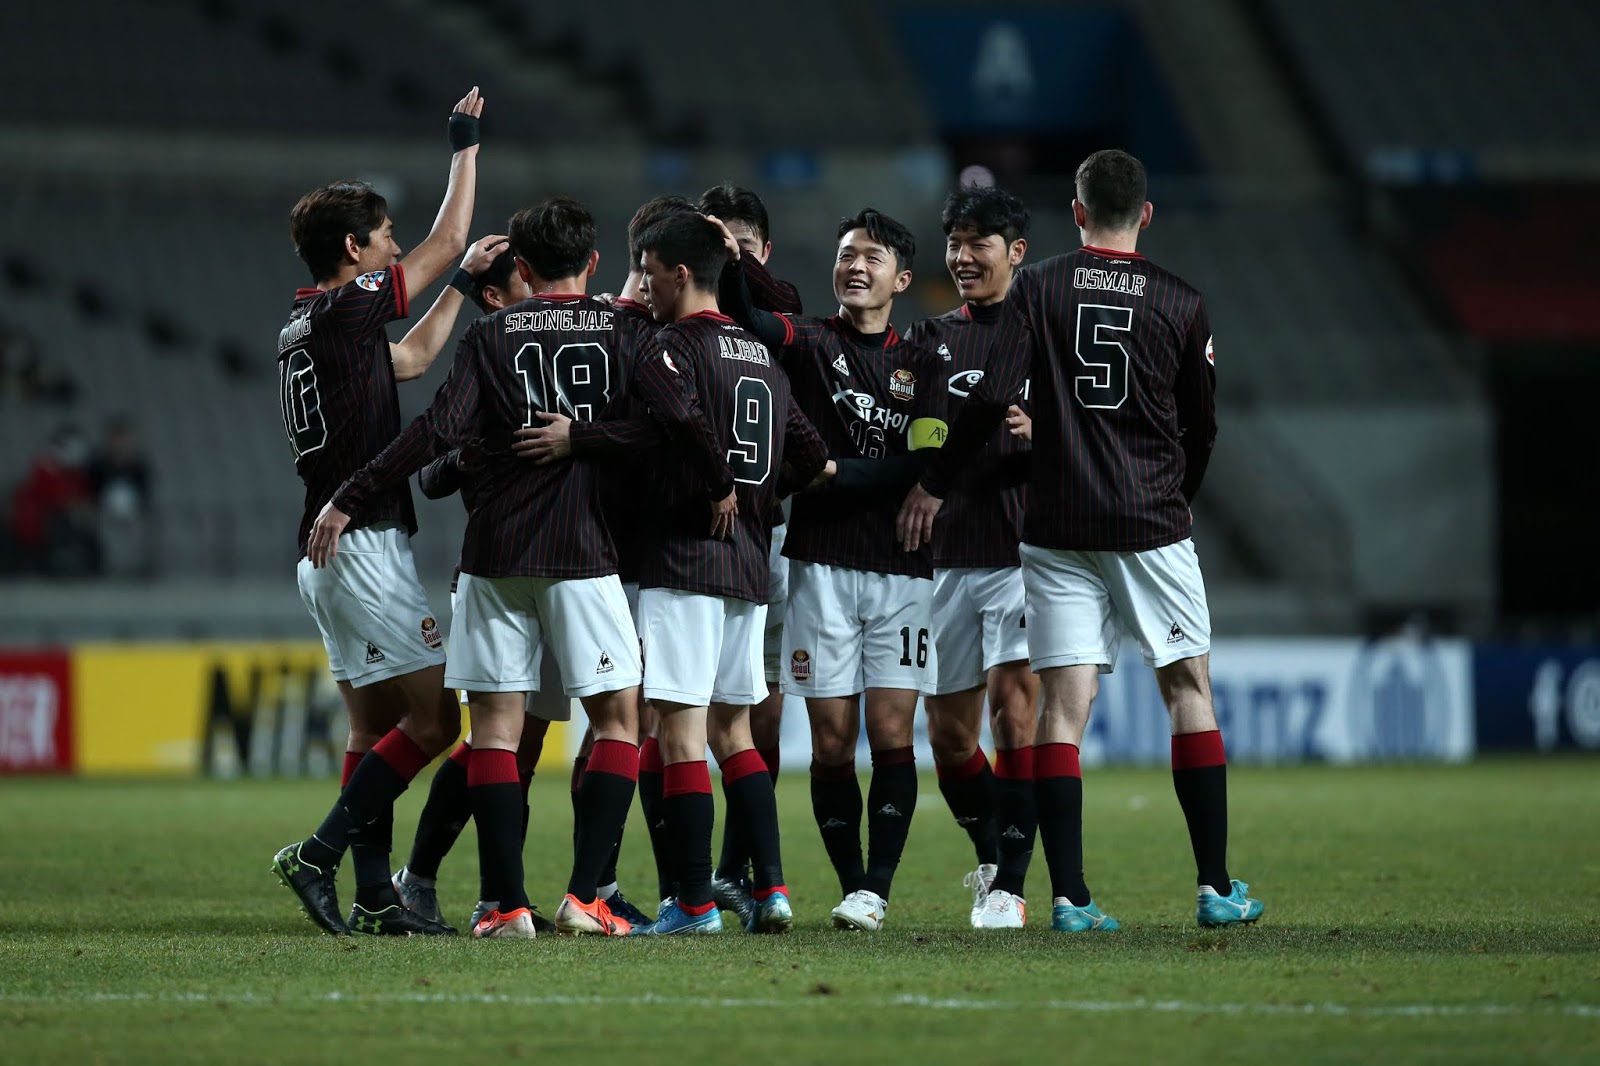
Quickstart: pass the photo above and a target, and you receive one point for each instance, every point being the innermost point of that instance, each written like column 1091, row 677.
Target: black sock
column 524, row 782
column 686, row 803
column 968, row 789
column 748, row 788
column 497, row 810
column 650, row 788
column 378, row 780
column 369, row 854
column 1016, row 816
column 1058, row 792
column 603, row 802
column 443, row 817
column 579, row 765
column 891, row 801
column 836, row 805
column 1200, row 777
column 734, row 862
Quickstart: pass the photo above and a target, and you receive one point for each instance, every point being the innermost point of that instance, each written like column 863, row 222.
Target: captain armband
column 926, row 433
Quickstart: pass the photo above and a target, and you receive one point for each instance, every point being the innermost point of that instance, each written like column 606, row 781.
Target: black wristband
column 464, row 283
column 463, row 130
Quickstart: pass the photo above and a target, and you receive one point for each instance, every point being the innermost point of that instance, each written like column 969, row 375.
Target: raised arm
column 767, row 292
column 733, row 296
column 434, row 254
column 416, row 351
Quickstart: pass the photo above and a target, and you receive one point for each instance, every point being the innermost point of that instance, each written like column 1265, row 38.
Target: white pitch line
column 1064, row 1006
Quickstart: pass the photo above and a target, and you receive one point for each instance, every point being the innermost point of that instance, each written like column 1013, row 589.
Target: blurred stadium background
column 1390, row 205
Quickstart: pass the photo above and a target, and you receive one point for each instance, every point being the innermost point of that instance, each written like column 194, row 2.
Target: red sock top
column 1014, row 765
column 974, row 765
column 492, row 766
column 401, row 753
column 683, row 778
column 842, row 772
column 462, row 755
column 770, row 757
column 742, row 765
column 1055, row 760
column 352, row 759
column 650, row 756
column 615, row 757
column 894, row 756
column 1196, row 751
column 579, row 765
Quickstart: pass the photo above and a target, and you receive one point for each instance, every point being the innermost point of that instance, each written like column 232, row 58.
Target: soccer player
column 539, row 572
column 980, row 642
column 744, row 215
column 1118, row 354
column 703, row 580
column 337, row 374
column 858, row 620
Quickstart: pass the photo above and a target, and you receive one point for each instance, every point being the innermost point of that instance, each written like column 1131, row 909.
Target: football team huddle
column 688, row 500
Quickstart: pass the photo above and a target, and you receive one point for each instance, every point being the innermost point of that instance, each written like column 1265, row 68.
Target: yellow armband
column 926, row 433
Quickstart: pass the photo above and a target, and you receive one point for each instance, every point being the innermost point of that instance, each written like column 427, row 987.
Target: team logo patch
column 373, row 654
column 944, row 350
column 800, row 665
column 430, row 633
column 841, row 366
column 606, row 665
column 371, row 282
column 1211, row 355
column 666, row 357
column 903, row 385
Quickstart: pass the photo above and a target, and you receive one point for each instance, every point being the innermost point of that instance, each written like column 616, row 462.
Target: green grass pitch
column 1414, row 914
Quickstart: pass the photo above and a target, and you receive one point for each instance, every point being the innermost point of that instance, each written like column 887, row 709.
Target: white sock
column 412, row 879
column 606, row 891
column 489, row 905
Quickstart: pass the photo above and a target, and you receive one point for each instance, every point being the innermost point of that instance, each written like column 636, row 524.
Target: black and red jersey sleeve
column 667, row 384
column 1194, row 396
column 804, row 451
column 371, row 301
column 767, row 292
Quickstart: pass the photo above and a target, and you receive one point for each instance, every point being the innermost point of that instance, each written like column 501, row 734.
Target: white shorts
column 777, row 604
column 1077, row 601
column 846, row 631
column 701, row 649
column 549, row 702
column 369, row 605
column 504, row 626
column 977, row 624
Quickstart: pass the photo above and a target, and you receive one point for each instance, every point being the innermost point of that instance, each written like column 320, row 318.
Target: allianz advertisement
column 271, row 709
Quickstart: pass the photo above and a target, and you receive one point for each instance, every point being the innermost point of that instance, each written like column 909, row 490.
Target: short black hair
column 986, row 209
column 735, row 203
column 1112, row 188
column 886, row 231
column 498, row 275
column 650, row 212
column 554, row 237
column 319, row 222
column 690, row 239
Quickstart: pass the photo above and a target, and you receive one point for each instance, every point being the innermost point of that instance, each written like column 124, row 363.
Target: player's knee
column 952, row 739
column 832, row 746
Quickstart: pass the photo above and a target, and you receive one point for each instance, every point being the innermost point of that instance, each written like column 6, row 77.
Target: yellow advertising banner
column 223, row 710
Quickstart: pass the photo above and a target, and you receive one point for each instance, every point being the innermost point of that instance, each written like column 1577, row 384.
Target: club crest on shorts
column 800, row 665
column 372, row 282
column 430, row 633
column 903, row 384
column 606, row 665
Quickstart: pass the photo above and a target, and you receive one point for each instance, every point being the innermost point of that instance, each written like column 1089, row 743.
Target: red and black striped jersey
column 981, row 521
column 733, row 424
column 768, row 293
column 862, row 392
column 560, row 353
column 336, row 391
column 1118, row 356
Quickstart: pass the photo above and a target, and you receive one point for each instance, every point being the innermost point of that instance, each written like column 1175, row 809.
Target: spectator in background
column 52, row 512
column 23, row 373
column 119, row 477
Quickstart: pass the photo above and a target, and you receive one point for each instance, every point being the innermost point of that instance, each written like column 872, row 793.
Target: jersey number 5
column 750, row 458
column 302, row 406
column 1100, row 350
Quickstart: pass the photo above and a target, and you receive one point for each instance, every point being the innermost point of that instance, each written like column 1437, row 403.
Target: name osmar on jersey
column 558, row 319
column 1113, row 280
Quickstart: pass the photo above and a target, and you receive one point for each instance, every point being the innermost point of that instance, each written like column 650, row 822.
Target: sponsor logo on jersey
column 373, row 654
column 841, row 366
column 800, row 665
column 430, row 633
column 1211, row 355
column 606, row 665
column 373, row 281
column 963, row 383
column 666, row 357
column 903, row 384
column 944, row 350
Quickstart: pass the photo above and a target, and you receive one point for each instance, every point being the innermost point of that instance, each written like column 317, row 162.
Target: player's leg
column 1013, row 694
column 955, row 718
column 1160, row 597
column 1072, row 637
column 597, row 649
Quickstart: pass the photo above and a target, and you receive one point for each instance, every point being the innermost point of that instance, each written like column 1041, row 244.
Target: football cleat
column 1002, row 910
column 589, row 919
column 315, row 888
column 675, row 921
column 773, row 915
column 1065, row 917
column 418, row 898
column 979, row 881
column 861, row 910
column 623, row 908
column 733, row 894
column 518, row 925
column 1236, row 908
column 395, row 920
column 541, row 924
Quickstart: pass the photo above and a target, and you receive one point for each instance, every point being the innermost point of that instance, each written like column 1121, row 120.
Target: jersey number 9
column 750, row 458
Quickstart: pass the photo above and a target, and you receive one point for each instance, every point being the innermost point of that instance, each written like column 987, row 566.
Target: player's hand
column 325, row 531
column 469, row 456
column 482, row 253
column 914, row 526
column 607, row 298
column 470, row 104
column 546, row 443
column 829, row 470
column 1019, row 423
column 723, row 513
column 729, row 241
